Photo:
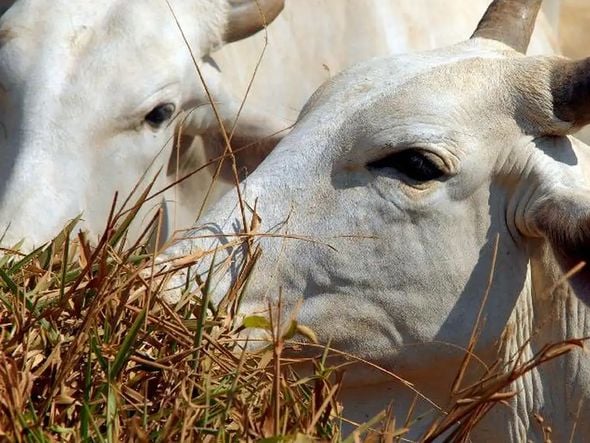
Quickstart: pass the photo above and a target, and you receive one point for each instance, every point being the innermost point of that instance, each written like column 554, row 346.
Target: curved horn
column 510, row 22
column 247, row 17
column 570, row 88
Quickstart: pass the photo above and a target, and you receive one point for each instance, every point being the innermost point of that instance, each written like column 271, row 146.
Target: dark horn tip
column 510, row 22
column 570, row 88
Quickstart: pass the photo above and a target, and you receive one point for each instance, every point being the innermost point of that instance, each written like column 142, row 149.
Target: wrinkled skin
column 80, row 78
column 410, row 259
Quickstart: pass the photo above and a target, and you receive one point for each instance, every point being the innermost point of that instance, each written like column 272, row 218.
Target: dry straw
column 90, row 352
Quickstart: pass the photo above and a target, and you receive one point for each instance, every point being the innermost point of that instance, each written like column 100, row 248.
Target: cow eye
column 413, row 163
column 160, row 114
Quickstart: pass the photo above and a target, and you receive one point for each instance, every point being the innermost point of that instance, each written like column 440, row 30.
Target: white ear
column 562, row 216
column 254, row 137
column 255, row 134
column 5, row 4
column 559, row 211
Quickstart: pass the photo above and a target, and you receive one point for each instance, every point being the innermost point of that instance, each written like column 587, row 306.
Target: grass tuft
column 90, row 352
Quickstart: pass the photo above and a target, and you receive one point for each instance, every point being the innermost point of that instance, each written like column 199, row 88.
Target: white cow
column 313, row 40
column 392, row 190
column 92, row 91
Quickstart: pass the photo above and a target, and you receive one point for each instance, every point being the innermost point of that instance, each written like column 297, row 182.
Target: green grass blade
column 26, row 260
column 203, row 314
column 124, row 226
column 127, row 345
column 99, row 357
column 11, row 285
column 64, row 268
column 85, row 412
column 111, row 413
column 353, row 437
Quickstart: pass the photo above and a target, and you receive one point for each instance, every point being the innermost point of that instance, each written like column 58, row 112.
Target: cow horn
column 570, row 89
column 247, row 17
column 510, row 22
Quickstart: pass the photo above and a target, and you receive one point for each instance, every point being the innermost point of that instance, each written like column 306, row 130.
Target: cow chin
column 31, row 215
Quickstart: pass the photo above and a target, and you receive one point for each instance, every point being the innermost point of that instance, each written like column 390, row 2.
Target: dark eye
column 412, row 163
column 160, row 114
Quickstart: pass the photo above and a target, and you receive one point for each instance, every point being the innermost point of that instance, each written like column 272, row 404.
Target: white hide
column 394, row 270
column 79, row 77
column 313, row 40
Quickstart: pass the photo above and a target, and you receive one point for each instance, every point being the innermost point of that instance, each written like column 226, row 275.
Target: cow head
column 91, row 94
column 381, row 209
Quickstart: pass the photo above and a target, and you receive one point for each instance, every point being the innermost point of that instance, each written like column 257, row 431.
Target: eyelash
column 160, row 114
column 410, row 162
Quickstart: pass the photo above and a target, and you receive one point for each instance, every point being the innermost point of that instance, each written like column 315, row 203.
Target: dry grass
column 89, row 352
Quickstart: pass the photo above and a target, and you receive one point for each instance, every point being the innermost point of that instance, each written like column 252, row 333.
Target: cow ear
column 251, row 143
column 561, row 214
column 254, row 136
column 5, row 5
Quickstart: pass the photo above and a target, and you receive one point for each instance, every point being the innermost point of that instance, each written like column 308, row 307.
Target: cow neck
column 546, row 312
column 553, row 391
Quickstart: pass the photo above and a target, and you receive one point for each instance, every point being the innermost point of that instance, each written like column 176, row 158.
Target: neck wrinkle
column 556, row 389
column 515, row 340
column 553, row 391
